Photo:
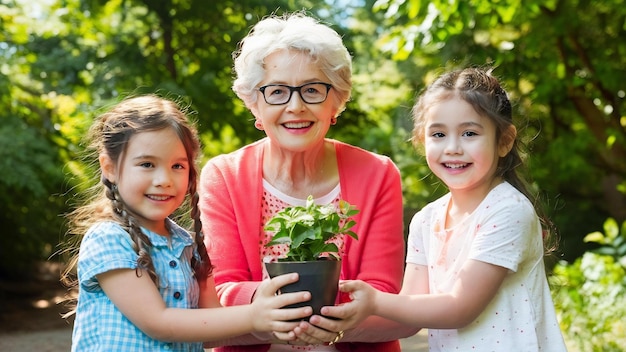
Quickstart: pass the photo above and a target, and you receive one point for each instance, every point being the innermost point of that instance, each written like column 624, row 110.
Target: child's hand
column 351, row 314
column 359, row 290
column 267, row 313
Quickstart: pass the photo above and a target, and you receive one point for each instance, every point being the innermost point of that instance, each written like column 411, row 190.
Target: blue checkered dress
column 99, row 325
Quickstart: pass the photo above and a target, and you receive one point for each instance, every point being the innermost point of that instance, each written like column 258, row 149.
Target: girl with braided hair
column 139, row 273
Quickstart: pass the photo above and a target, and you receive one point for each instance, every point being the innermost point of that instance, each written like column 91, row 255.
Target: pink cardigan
column 230, row 202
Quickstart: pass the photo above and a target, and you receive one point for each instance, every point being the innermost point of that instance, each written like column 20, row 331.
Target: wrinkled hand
column 309, row 334
column 322, row 329
column 268, row 314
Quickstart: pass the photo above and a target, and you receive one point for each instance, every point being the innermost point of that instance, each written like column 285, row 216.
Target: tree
column 563, row 62
column 32, row 179
column 66, row 61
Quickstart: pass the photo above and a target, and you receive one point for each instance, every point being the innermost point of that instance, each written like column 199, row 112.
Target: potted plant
column 308, row 232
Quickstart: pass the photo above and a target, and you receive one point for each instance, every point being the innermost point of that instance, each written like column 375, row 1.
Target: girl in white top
column 475, row 275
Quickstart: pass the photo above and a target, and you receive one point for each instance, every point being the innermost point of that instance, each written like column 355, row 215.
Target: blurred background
column 62, row 62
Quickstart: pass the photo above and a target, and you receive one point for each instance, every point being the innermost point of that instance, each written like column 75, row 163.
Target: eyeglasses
column 310, row 93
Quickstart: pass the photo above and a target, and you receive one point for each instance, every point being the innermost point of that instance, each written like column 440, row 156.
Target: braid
column 203, row 267
column 108, row 138
column 141, row 242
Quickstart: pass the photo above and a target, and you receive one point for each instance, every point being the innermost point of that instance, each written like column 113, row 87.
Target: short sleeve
column 416, row 247
column 507, row 233
column 105, row 247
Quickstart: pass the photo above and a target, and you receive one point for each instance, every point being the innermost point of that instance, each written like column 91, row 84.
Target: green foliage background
column 64, row 62
column 590, row 293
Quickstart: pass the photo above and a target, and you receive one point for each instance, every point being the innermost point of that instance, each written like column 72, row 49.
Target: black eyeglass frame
column 295, row 89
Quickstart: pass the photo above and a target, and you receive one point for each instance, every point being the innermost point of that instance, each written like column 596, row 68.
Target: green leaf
column 611, row 229
column 309, row 230
column 596, row 237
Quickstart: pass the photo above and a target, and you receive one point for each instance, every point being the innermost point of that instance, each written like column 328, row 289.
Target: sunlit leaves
column 564, row 66
column 591, row 302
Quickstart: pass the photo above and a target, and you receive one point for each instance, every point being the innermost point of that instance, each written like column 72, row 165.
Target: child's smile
column 153, row 177
column 461, row 146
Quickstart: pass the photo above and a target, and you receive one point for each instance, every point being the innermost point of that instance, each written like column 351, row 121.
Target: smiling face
column 152, row 177
column 461, row 147
column 295, row 126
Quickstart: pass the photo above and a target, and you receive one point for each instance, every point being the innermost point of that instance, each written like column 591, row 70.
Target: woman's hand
column 307, row 333
column 330, row 326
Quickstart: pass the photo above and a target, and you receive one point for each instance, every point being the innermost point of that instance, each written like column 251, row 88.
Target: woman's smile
column 298, row 125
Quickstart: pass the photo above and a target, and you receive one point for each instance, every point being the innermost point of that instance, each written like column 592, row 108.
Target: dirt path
column 30, row 315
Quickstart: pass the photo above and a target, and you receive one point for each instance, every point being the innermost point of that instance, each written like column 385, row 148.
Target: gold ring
column 337, row 338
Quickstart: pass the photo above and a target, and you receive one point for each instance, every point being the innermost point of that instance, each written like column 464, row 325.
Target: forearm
column 185, row 325
column 248, row 339
column 437, row 311
column 378, row 329
column 237, row 293
column 476, row 285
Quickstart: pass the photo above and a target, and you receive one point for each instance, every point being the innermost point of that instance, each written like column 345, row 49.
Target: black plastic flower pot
column 320, row 277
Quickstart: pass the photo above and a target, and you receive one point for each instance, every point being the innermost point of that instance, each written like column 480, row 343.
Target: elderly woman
column 294, row 75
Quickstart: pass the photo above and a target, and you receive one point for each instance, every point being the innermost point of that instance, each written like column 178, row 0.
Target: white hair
column 298, row 32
